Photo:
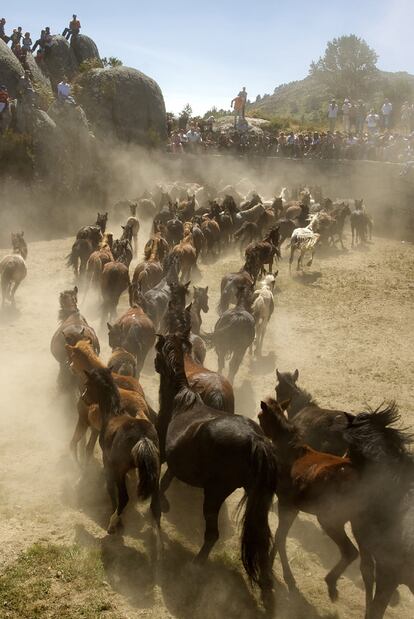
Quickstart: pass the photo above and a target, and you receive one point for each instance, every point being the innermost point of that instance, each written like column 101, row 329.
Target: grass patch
column 49, row 580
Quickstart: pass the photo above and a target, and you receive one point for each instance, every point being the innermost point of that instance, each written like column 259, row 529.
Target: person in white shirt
column 372, row 121
column 386, row 112
column 63, row 88
column 345, row 112
column 332, row 114
column 193, row 138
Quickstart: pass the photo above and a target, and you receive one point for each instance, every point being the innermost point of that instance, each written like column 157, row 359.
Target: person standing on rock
column 40, row 42
column 27, row 42
column 74, row 28
column 47, row 40
column 243, row 95
column 332, row 114
column 237, row 104
column 3, row 35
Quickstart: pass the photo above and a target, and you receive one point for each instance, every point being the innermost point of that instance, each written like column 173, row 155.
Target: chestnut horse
column 149, row 273
column 127, row 443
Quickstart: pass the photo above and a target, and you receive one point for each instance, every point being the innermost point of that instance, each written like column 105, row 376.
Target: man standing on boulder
column 74, row 28
column 243, row 95
column 237, row 104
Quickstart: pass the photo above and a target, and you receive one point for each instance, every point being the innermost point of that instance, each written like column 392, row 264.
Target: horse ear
column 206, row 289
column 123, row 227
column 108, row 324
column 87, row 373
column 278, row 374
column 296, row 375
column 350, row 418
column 187, row 285
column 75, row 290
column 189, row 306
column 82, row 331
column 276, row 274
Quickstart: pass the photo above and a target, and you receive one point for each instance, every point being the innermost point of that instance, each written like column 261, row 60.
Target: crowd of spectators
column 355, row 132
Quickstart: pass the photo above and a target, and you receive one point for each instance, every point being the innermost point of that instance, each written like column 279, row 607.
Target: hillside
column 306, row 100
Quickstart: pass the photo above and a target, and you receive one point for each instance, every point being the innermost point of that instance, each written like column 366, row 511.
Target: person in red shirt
column 74, row 28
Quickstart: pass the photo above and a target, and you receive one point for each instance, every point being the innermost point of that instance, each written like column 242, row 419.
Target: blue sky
column 203, row 53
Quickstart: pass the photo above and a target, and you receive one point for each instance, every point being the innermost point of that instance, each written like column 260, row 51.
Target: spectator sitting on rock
column 372, row 122
column 27, row 42
column 193, row 138
column 25, row 91
column 64, row 91
column 16, row 37
column 40, row 42
column 74, row 28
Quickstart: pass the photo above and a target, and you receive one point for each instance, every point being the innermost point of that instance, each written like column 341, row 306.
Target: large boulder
column 60, row 60
column 123, row 103
column 84, row 48
column 10, row 69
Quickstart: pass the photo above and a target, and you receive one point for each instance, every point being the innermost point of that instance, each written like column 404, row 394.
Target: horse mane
column 103, row 379
column 154, row 249
column 372, row 437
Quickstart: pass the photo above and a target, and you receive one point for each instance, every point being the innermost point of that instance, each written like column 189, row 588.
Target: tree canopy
column 347, row 67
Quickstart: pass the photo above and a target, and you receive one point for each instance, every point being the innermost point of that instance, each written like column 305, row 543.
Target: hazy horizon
column 203, row 56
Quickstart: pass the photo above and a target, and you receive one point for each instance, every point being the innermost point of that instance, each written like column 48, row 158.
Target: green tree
column 112, row 62
column 348, row 66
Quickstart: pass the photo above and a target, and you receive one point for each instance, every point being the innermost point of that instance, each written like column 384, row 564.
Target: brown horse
column 149, row 273
column 265, row 251
column 127, row 443
column 122, row 362
column 73, row 327
column 13, row 269
column 114, row 281
column 134, row 332
column 186, row 257
column 96, row 262
column 132, row 225
column 212, row 234
column 313, row 482
column 199, row 304
column 82, row 358
column 162, row 245
column 232, row 282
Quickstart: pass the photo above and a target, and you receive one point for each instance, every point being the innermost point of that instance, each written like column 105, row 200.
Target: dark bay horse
column 232, row 282
column 321, row 428
column 127, row 443
column 234, row 332
column 114, row 281
column 218, row 452
column 198, row 305
column 265, row 251
column 313, row 482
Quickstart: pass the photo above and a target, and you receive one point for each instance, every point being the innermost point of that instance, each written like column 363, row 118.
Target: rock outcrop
column 84, row 48
column 60, row 60
column 124, row 104
column 10, row 69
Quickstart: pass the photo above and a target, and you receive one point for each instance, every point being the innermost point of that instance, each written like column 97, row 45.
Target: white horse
column 304, row 240
column 13, row 269
column 262, row 308
column 133, row 223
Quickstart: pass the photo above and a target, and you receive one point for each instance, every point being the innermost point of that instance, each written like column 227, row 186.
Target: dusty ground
column 347, row 328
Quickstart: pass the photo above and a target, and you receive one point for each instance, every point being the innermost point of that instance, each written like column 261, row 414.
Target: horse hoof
column 332, row 591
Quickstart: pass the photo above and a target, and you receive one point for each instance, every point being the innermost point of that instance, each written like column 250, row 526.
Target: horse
column 246, row 234
column 234, row 332
column 199, row 240
column 114, row 281
column 218, row 452
column 122, row 251
column 162, row 245
column 175, row 231
column 89, row 232
column 127, row 443
column 232, row 282
column 156, row 300
column 198, row 305
column 82, row 357
column 339, row 214
column 383, row 529
column 132, row 225
column 321, row 428
column 264, row 252
column 186, row 257
column 149, row 273
column 122, row 362
column 304, row 240
column 186, row 209
column 313, row 482
column 72, row 328
column 262, row 308
column 96, row 262
column 252, row 214
column 13, row 269
column 211, row 231
column 286, row 228
column 135, row 332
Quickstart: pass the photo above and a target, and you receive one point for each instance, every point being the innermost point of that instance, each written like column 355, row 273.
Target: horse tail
column 73, row 257
column 147, row 460
column 256, row 534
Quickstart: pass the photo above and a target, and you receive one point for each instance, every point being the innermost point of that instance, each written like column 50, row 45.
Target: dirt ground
column 346, row 327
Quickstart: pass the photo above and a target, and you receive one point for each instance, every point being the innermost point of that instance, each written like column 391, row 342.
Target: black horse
column 321, row 428
column 218, row 452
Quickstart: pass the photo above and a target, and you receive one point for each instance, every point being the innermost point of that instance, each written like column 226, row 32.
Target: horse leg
column 79, row 433
column 299, row 265
column 213, row 499
column 164, row 485
column 13, row 292
column 349, row 553
column 4, row 286
column 135, row 237
column 287, row 516
column 386, row 584
column 220, row 361
column 235, row 361
column 123, row 498
column 91, row 444
column 353, row 232
column 367, row 568
column 309, row 264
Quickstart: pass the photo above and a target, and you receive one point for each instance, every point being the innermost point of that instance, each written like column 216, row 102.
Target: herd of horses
column 342, row 468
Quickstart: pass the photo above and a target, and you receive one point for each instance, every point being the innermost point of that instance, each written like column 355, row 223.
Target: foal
column 13, row 269
column 127, row 444
column 199, row 304
column 262, row 308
